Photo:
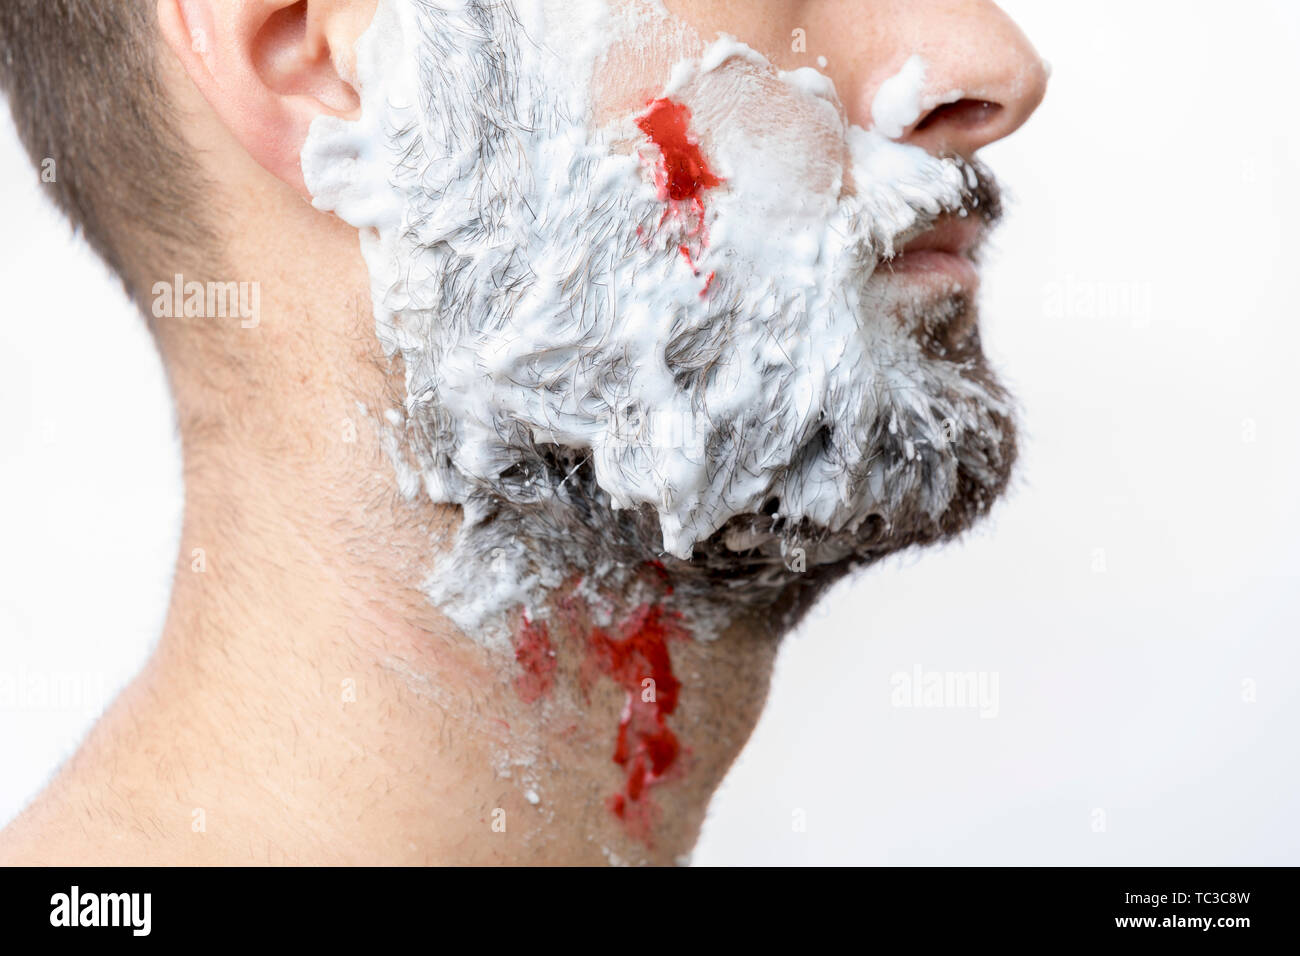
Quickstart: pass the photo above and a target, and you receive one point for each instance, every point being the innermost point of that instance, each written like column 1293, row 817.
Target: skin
column 306, row 703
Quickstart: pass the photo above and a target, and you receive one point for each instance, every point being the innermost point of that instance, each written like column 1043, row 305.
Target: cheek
column 637, row 61
column 774, row 141
column 781, row 150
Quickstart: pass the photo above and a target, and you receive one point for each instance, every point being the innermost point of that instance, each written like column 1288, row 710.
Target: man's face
column 658, row 298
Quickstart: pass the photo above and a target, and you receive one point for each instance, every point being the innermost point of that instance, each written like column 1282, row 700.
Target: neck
column 308, row 704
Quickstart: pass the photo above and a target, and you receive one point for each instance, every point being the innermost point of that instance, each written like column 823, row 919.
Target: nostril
column 963, row 114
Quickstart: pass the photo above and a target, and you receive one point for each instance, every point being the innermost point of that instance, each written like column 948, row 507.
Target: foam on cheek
column 785, row 221
column 781, row 141
column 532, row 282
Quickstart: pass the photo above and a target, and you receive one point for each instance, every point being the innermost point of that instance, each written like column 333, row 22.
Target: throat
column 623, row 720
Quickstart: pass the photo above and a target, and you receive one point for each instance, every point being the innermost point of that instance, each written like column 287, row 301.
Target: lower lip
column 934, row 265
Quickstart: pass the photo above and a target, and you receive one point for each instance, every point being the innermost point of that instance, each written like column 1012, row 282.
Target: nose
column 982, row 80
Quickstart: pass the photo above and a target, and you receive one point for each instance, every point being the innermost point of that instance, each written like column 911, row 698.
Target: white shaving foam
column 897, row 104
column 529, row 310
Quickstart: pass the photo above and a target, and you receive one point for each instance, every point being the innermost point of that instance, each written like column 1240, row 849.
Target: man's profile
column 538, row 365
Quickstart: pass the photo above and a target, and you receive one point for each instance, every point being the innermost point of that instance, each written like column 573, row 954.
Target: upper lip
column 956, row 235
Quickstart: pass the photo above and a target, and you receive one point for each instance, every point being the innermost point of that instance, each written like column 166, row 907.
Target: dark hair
column 84, row 88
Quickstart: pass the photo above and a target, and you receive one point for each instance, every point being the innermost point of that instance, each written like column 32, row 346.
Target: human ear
column 268, row 68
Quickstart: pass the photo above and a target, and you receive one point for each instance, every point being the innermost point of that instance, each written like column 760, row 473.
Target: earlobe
column 266, row 69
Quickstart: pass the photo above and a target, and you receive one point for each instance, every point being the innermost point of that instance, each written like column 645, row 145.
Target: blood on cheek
column 683, row 172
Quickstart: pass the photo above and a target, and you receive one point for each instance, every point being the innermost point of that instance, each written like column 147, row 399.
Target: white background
column 1135, row 591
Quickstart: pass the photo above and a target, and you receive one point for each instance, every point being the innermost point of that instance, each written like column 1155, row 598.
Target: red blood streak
column 536, row 656
column 645, row 747
column 682, row 172
column 658, row 568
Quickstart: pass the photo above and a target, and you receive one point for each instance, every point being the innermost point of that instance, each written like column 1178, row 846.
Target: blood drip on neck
column 634, row 652
column 536, row 658
column 637, row 657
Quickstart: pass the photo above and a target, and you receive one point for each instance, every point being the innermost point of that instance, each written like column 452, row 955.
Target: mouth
column 943, row 255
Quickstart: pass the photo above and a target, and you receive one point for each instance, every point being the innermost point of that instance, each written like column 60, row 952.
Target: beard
column 613, row 359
